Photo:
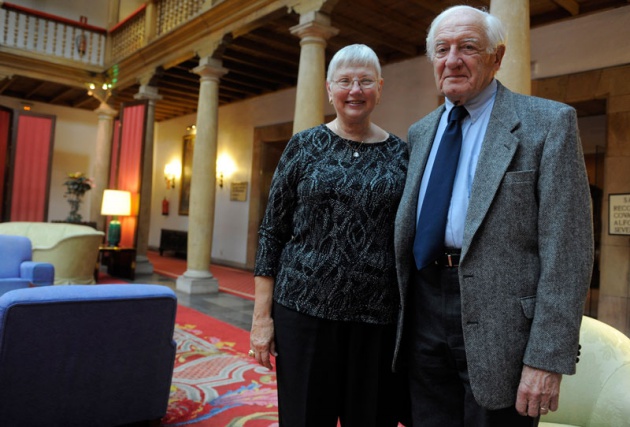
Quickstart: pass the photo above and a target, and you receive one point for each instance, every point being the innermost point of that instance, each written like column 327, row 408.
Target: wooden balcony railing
column 172, row 13
column 38, row 32
column 41, row 33
column 128, row 35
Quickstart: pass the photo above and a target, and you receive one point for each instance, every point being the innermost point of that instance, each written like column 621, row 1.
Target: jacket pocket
column 528, row 304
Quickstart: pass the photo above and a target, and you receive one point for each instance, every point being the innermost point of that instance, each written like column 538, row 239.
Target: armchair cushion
column 17, row 270
column 598, row 394
column 86, row 355
column 39, row 273
column 73, row 249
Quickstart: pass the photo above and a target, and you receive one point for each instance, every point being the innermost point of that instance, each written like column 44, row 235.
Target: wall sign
column 238, row 191
column 619, row 214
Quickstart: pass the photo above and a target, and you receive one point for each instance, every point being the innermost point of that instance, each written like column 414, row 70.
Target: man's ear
column 499, row 55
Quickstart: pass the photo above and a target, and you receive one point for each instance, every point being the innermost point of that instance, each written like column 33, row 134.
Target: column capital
column 304, row 7
column 148, row 92
column 105, row 111
column 210, row 68
column 314, row 30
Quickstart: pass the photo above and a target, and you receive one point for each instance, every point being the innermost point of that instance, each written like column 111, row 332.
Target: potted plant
column 77, row 184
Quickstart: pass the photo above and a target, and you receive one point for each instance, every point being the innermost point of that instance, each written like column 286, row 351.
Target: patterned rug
column 215, row 383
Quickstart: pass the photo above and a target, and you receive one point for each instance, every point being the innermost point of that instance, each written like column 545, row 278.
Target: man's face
column 461, row 64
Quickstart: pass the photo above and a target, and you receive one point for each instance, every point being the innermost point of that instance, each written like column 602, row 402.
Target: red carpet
column 215, row 383
column 231, row 280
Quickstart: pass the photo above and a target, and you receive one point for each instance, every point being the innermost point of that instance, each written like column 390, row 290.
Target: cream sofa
column 72, row 248
column 598, row 395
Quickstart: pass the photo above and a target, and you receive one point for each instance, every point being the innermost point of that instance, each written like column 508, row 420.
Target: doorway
column 269, row 143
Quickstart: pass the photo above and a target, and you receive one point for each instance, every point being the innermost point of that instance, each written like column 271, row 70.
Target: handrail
column 42, row 33
column 50, row 17
column 128, row 18
column 35, row 32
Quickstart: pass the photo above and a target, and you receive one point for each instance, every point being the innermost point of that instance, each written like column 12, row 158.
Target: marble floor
column 222, row 306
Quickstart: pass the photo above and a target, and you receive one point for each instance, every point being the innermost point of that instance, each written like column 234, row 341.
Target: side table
column 120, row 262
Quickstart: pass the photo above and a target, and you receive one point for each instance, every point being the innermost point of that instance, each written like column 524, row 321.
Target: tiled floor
column 222, row 306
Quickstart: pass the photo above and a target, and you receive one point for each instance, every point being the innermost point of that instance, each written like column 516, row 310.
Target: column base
column 197, row 282
column 143, row 265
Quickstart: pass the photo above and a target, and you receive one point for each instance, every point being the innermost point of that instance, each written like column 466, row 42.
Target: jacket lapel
column 417, row 162
column 497, row 151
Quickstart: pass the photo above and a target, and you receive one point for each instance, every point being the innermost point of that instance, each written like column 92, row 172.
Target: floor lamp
column 115, row 203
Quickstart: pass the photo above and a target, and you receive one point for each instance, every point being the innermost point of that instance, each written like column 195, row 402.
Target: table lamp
column 115, row 203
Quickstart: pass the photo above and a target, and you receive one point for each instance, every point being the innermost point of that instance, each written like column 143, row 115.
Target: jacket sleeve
column 565, row 246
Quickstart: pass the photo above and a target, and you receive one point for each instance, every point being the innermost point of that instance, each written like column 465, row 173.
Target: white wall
column 588, row 43
column 95, row 10
column 409, row 93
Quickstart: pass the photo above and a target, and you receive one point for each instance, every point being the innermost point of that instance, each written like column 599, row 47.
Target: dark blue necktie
column 431, row 227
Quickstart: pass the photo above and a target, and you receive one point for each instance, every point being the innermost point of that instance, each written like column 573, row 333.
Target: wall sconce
column 191, row 129
column 225, row 168
column 172, row 171
column 115, row 203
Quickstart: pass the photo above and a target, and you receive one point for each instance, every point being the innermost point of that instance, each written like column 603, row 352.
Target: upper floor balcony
column 53, row 59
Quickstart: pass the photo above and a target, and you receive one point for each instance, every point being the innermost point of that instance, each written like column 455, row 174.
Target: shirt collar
column 478, row 104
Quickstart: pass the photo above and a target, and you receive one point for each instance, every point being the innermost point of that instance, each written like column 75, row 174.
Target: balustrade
column 41, row 33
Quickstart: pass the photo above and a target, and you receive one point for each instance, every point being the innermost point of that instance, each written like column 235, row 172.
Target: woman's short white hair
column 356, row 55
column 494, row 28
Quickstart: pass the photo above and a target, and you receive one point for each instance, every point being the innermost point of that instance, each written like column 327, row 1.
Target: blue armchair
column 86, row 355
column 17, row 270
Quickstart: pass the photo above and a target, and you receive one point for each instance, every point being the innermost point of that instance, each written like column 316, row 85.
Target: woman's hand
column 261, row 337
column 261, row 340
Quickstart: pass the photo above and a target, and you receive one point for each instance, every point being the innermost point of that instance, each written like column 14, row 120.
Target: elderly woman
column 326, row 295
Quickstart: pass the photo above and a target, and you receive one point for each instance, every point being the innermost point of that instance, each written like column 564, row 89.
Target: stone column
column 104, row 131
column 515, row 72
column 143, row 266
column 198, row 279
column 313, row 30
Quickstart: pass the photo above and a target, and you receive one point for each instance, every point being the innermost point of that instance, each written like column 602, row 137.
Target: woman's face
column 354, row 92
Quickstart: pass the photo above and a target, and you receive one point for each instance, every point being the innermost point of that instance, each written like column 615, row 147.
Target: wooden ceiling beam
column 571, row 6
column 378, row 37
column 397, row 19
column 6, row 83
column 289, row 71
column 257, row 78
column 85, row 101
column 259, row 50
column 62, row 94
column 36, row 89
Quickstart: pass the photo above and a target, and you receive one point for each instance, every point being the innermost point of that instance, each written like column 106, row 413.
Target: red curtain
column 31, row 168
column 113, row 164
column 5, row 134
column 129, row 169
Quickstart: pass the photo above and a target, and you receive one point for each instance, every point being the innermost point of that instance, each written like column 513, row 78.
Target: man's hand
column 538, row 392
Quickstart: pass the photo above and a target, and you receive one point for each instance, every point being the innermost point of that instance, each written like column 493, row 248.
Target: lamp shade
column 116, row 203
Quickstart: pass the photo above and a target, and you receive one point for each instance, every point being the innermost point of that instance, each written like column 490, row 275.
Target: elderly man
column 493, row 239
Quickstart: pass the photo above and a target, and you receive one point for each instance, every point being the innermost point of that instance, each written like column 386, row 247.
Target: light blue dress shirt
column 473, row 131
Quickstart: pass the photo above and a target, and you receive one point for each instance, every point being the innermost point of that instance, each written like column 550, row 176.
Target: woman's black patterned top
column 327, row 236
